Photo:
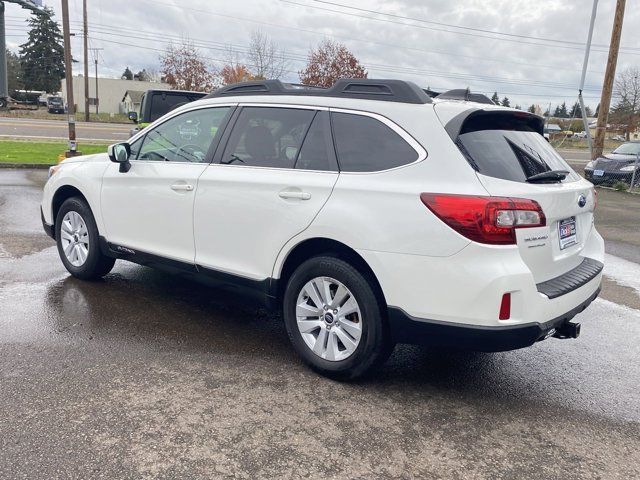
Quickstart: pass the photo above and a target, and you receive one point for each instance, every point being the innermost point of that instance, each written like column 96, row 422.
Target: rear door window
column 506, row 147
column 365, row 144
column 267, row 137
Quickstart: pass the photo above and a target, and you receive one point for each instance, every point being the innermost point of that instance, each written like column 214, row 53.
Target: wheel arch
column 63, row 193
column 317, row 246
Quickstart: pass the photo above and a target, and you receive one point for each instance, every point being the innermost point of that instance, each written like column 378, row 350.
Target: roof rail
column 367, row 89
column 466, row 95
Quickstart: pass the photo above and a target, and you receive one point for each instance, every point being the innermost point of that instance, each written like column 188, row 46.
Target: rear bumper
column 412, row 330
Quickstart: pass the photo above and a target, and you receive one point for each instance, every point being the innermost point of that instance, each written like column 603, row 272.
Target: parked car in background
column 156, row 103
column 618, row 138
column 617, row 166
column 581, row 134
column 368, row 213
column 55, row 104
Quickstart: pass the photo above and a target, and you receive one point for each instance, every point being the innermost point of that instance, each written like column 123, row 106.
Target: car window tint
column 316, row 153
column 184, row 138
column 163, row 103
column 267, row 137
column 509, row 147
column 365, row 144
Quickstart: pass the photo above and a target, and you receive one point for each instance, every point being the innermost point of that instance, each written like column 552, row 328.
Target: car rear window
column 508, row 147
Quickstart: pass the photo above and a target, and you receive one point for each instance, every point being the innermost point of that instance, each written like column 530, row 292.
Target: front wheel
column 335, row 320
column 78, row 241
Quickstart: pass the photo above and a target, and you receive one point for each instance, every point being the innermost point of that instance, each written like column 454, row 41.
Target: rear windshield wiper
column 552, row 176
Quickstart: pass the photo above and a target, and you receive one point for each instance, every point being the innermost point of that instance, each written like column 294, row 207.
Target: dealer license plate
column 598, row 173
column 567, row 232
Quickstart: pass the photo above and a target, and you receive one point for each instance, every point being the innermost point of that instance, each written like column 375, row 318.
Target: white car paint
column 235, row 220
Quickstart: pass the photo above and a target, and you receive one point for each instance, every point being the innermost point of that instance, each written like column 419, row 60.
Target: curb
column 25, row 165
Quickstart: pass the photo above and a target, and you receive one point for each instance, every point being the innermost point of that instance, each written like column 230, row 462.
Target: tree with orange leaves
column 330, row 62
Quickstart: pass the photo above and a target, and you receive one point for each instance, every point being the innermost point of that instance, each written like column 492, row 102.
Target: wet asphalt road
column 146, row 375
column 34, row 129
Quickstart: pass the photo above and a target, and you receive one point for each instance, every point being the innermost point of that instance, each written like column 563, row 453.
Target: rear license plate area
column 567, row 232
column 598, row 173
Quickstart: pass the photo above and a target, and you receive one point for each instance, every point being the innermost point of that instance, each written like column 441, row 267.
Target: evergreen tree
column 505, row 102
column 14, row 72
column 564, row 113
column 42, row 56
column 142, row 76
column 557, row 113
column 127, row 74
column 576, row 111
column 518, row 107
column 588, row 111
column 495, row 99
column 532, row 109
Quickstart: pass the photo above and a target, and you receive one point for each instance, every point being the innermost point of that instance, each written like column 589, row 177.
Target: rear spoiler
column 480, row 119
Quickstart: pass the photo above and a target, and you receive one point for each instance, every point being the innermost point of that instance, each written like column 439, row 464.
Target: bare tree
column 266, row 59
column 185, row 69
column 627, row 94
column 330, row 62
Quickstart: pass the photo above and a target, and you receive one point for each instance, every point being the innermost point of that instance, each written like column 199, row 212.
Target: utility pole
column 95, row 54
column 86, row 60
column 609, row 76
column 4, row 83
column 587, row 51
column 68, row 67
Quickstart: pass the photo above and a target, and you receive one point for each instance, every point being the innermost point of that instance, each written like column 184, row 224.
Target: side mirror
column 133, row 116
column 120, row 153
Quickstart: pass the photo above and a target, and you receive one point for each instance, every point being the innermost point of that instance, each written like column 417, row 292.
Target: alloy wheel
column 329, row 318
column 74, row 238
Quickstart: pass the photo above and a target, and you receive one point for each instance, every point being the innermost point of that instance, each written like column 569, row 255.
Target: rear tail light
column 490, row 220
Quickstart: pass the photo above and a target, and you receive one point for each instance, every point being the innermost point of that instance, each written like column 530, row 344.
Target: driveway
column 147, row 375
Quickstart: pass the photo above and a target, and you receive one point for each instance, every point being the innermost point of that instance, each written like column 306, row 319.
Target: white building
column 112, row 92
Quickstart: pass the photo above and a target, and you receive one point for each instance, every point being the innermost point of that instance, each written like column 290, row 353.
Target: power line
column 462, row 27
column 559, row 43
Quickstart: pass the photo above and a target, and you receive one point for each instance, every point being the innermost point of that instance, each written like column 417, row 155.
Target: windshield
column 628, row 149
column 511, row 154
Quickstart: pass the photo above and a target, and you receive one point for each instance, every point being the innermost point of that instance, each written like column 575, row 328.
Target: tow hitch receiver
column 567, row 330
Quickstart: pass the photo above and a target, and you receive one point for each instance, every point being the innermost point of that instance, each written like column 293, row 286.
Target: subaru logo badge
column 582, row 201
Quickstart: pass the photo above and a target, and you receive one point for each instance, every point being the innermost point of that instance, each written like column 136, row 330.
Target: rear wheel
column 78, row 241
column 334, row 318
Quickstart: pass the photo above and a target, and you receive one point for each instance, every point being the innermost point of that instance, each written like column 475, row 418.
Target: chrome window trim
column 413, row 143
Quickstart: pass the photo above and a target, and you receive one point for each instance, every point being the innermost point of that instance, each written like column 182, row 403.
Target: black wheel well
column 63, row 193
column 315, row 247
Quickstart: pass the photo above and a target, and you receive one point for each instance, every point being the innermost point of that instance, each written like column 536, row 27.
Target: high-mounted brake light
column 490, row 220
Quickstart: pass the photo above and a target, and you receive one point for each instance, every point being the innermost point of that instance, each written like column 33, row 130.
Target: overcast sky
column 534, row 56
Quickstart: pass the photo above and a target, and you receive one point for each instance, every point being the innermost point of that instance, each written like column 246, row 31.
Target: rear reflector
column 505, row 307
column 490, row 220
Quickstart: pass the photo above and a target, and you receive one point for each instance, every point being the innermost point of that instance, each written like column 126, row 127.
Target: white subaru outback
column 370, row 213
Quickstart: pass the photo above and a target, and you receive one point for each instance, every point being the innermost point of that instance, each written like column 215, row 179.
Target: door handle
column 182, row 187
column 286, row 194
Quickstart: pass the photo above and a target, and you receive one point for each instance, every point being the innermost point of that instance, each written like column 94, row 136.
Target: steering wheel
column 194, row 152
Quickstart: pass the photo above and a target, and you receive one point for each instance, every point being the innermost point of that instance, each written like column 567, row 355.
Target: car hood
column 618, row 157
column 96, row 157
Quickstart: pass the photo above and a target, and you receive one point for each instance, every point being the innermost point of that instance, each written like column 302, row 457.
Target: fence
column 620, row 174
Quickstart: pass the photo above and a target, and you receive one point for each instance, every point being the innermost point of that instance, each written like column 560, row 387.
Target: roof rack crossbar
column 369, row 89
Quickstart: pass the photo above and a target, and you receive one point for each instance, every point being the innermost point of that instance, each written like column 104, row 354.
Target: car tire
column 78, row 241
column 328, row 347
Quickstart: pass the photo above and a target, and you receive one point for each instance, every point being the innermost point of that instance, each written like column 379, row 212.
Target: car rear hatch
column 512, row 159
